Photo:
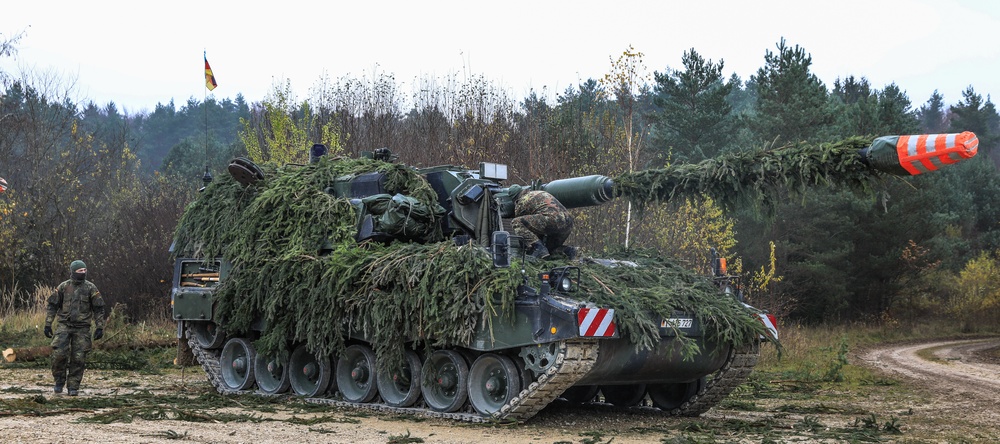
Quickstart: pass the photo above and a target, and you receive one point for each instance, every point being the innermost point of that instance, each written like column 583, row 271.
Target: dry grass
column 21, row 311
column 829, row 353
column 805, row 346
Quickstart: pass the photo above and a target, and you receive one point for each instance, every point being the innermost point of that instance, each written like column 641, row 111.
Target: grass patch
column 738, row 404
column 821, row 409
column 404, row 417
column 930, row 354
column 20, row 390
column 403, row 439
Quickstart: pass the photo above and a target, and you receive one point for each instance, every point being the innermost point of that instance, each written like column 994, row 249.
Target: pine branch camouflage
column 401, row 295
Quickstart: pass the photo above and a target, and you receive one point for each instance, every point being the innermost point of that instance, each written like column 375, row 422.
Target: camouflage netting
column 755, row 178
column 433, row 293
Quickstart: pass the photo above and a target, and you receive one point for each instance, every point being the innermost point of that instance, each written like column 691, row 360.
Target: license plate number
column 677, row 322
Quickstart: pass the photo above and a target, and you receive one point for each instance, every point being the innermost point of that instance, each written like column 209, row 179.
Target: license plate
column 677, row 322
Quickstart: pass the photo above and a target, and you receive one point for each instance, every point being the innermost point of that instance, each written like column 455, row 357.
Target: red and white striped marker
column 596, row 322
column 770, row 322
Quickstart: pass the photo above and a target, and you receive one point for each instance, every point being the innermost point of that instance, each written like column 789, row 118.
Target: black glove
column 98, row 334
column 48, row 331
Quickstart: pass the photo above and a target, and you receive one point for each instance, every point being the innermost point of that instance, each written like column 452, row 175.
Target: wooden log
column 26, row 354
column 22, row 354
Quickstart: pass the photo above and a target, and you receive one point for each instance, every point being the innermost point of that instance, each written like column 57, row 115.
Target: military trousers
column 553, row 230
column 69, row 355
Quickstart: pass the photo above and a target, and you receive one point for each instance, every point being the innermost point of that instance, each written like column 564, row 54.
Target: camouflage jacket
column 76, row 305
column 539, row 202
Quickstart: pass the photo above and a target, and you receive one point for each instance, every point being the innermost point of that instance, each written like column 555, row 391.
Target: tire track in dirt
column 954, row 369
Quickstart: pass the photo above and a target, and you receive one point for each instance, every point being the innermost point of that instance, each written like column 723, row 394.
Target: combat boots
column 539, row 251
column 570, row 252
column 58, row 388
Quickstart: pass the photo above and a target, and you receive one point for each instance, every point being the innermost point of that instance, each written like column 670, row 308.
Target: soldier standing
column 542, row 221
column 76, row 303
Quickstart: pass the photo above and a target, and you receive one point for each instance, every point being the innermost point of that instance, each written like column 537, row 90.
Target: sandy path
column 955, row 370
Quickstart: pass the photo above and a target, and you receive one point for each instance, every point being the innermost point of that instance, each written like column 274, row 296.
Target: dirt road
column 953, row 368
column 959, row 379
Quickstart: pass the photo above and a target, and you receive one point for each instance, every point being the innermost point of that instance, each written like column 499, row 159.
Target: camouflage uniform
column 538, row 216
column 76, row 303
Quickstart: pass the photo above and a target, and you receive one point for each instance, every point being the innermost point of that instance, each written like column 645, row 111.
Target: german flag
column 210, row 82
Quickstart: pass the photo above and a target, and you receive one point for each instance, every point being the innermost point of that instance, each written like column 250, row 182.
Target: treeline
column 89, row 182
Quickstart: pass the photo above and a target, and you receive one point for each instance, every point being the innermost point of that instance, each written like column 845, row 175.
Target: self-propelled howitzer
column 370, row 283
column 393, row 291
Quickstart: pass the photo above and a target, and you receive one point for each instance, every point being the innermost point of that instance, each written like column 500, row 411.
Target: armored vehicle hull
column 466, row 327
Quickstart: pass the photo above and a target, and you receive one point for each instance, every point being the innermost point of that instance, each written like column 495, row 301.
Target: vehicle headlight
column 565, row 284
column 564, row 279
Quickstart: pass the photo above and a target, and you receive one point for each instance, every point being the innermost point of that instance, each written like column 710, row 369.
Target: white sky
column 137, row 54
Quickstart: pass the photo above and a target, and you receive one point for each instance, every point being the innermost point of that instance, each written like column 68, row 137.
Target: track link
column 733, row 373
column 573, row 361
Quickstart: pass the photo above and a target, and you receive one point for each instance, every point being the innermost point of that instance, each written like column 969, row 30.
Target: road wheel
column 494, row 381
column 236, row 364
column 401, row 387
column 271, row 374
column 356, row 374
column 444, row 385
column 308, row 374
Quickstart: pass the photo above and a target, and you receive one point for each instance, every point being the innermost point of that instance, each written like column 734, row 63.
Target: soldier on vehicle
column 76, row 303
column 541, row 221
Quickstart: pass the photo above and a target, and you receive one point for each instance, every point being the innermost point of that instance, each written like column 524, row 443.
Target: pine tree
column 791, row 100
column 694, row 118
column 931, row 115
column 856, row 106
column 894, row 113
column 973, row 114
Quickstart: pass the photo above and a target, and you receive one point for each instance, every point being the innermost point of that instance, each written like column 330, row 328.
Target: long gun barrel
column 573, row 192
column 584, row 191
column 736, row 176
column 757, row 176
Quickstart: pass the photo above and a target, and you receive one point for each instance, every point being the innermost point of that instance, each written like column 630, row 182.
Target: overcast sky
column 138, row 54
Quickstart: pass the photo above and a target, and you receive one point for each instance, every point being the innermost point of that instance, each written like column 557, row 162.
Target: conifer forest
column 86, row 180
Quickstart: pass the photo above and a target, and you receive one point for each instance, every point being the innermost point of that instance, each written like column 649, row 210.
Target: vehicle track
column 574, row 360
